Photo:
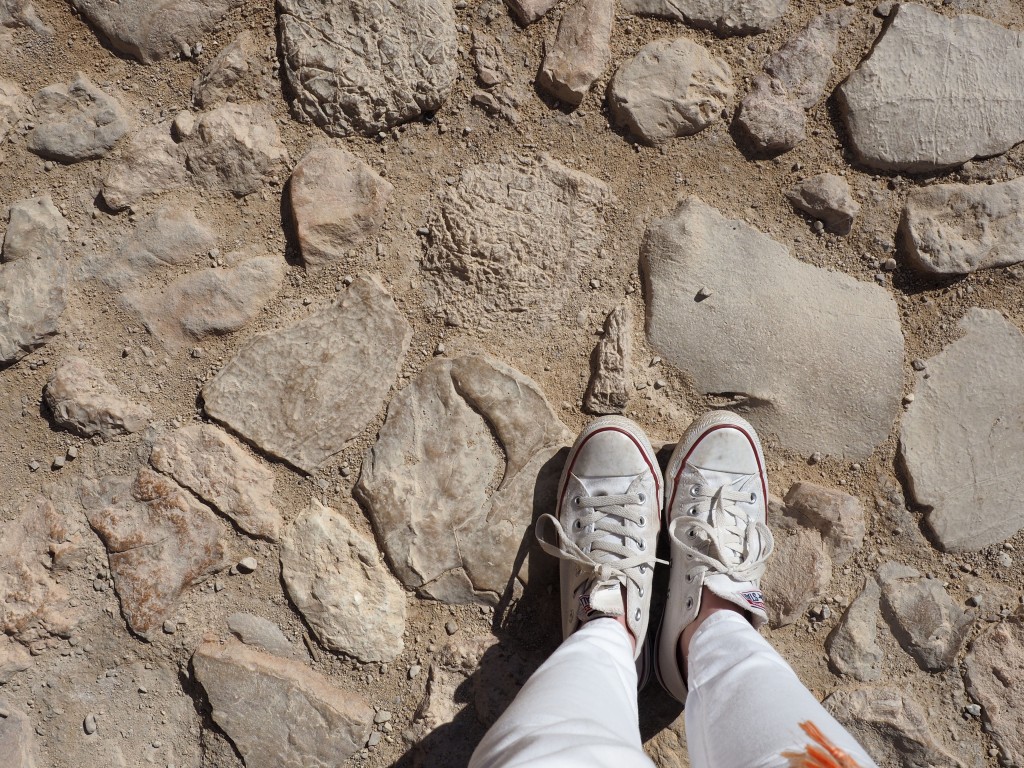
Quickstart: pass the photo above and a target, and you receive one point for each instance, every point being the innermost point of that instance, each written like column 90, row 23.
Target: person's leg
column 578, row 709
column 746, row 707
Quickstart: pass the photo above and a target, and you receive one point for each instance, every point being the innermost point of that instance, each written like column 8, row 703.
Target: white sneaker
column 715, row 510
column 606, row 527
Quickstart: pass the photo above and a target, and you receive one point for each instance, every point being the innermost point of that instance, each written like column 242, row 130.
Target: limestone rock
column 210, row 302
column 337, row 201
column 726, row 17
column 76, row 122
column 302, row 719
column 962, row 435
column 670, row 88
column 581, row 51
column 216, row 85
column 801, row 571
column 995, row 672
column 215, row 467
column 611, row 382
column 935, row 92
column 81, row 399
column 262, row 633
column 837, row 515
column 853, row 645
column 489, row 60
column 160, row 541
column 21, row 13
column 529, row 11
column 302, row 392
column 445, row 533
column 17, row 742
column 235, row 148
column 956, row 229
column 668, row 747
column 820, row 363
column 891, row 726
column 35, row 230
column 366, row 65
column 12, row 106
column 151, row 163
column 13, row 658
column 509, row 239
column 337, row 581
column 926, row 621
column 771, row 120
column 826, row 197
column 150, row 30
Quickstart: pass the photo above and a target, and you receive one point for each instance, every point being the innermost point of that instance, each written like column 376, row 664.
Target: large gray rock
column 217, row 84
column 838, row 516
column 278, row 712
column 956, row 229
column 76, row 122
column 510, row 239
column 160, row 541
column 17, row 742
column 801, row 571
column 995, row 674
column 151, row 163
column 150, row 30
column 853, row 645
column 302, row 392
column 963, row 434
column 336, row 579
column 726, row 17
column 891, row 726
column 819, row 361
column 337, row 201
column 935, row 92
column 611, row 380
column 214, row 466
column 364, row 67
column 581, row 51
column 35, row 230
column 670, row 88
column 452, row 510
column 81, row 400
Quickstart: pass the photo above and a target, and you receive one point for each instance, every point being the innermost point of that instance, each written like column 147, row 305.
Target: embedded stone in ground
column 337, row 201
column 995, row 673
column 365, row 66
column 21, row 13
column 820, row 361
column 234, row 148
column 14, row 659
column 445, row 532
column 611, row 381
column 529, row 11
column 581, row 51
column 962, row 436
column 151, row 163
column 35, row 230
column 12, row 106
column 935, row 92
column 214, row 466
column 210, row 302
column 17, row 742
column 726, row 17
column 510, row 238
column 837, row 515
column 926, row 621
column 670, row 88
column 302, row 718
column 80, row 399
column 302, row 392
column 150, row 30
column 826, row 197
column 853, row 645
column 160, row 541
column 956, row 229
column 262, row 633
column 801, row 571
column 891, row 726
column 217, row 83
column 76, row 122
column 336, row 579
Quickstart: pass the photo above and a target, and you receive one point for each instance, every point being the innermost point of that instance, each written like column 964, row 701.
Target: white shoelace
column 737, row 545
column 601, row 553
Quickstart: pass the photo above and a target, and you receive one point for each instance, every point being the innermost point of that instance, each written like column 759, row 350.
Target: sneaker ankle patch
column 754, row 598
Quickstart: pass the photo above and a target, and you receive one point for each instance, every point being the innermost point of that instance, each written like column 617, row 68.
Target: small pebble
column 815, row 458
column 660, row 384
column 974, row 601
column 414, row 671
column 880, row 278
column 73, row 452
column 58, row 462
column 423, row 231
column 247, row 565
column 889, row 265
column 170, row 627
column 908, row 399
column 703, row 293
column 33, row 465
column 451, row 627
column 974, row 710
column 4, row 711
column 1005, row 560
column 374, row 739
column 382, row 717
column 595, row 283
column 90, row 724
column 918, row 365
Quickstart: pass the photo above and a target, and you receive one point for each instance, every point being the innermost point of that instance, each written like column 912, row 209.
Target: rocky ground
column 300, row 308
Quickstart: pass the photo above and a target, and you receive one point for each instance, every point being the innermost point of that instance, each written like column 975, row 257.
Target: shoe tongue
column 603, row 599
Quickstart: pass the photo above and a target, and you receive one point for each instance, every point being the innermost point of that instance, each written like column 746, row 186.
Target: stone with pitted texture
column 17, row 742
column 12, row 106
column 76, row 122
column 81, row 399
column 217, row 83
column 151, row 163
column 801, row 571
column 581, row 51
column 995, row 673
column 726, row 17
column 529, row 11
column 853, row 645
column 611, row 381
column 827, row 198
column 837, row 515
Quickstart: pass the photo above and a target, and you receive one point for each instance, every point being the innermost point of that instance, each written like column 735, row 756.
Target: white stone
column 80, row 399
column 581, row 50
column 726, row 17
column 76, row 122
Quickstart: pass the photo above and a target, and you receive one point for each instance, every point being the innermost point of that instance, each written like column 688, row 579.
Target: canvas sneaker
column 605, row 528
column 715, row 512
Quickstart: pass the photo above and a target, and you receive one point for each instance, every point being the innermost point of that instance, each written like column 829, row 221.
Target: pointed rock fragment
column 837, row 515
column 611, row 382
column 853, row 645
column 581, row 51
column 995, row 674
column 81, row 400
column 726, row 17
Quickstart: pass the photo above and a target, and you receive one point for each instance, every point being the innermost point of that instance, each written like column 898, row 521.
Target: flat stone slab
column 76, row 122
column 17, row 740
column 336, row 579
column 612, row 379
column 801, row 570
column 301, row 393
column 509, row 238
column 815, row 356
column 151, row 163
column 956, row 229
column 80, row 399
column 853, row 645
column 278, row 712
column 362, row 66
column 453, row 522
column 995, row 674
column 581, row 51
column 726, row 17
column 963, row 435
column 935, row 92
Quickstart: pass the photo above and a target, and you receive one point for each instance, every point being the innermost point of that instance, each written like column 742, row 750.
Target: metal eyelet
column 691, row 533
column 642, row 498
column 694, row 490
column 643, row 545
column 577, row 525
column 576, row 501
column 641, row 591
column 689, row 577
column 693, row 511
column 643, row 569
column 643, row 521
column 753, row 497
column 689, row 602
column 638, row 614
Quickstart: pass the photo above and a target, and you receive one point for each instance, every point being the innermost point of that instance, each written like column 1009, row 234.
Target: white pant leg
column 578, row 709
column 745, row 703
